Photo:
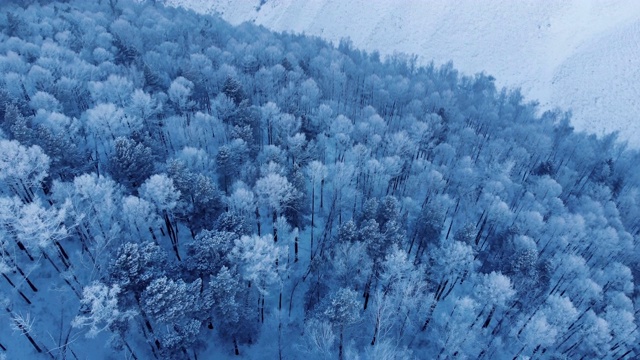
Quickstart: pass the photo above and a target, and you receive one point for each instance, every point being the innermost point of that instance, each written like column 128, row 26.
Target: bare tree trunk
column 321, row 193
column 33, row 287
column 75, row 291
column 375, row 331
column 24, row 330
column 235, row 346
column 173, row 235
column 429, row 314
column 293, row 289
column 258, row 220
column 274, row 218
column 126, row 344
column 63, row 253
column 340, row 356
column 489, row 317
column 313, row 224
column 153, row 236
column 280, row 340
column 18, row 290
column 23, row 248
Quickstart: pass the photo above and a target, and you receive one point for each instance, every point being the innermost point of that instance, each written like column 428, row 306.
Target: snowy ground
column 582, row 55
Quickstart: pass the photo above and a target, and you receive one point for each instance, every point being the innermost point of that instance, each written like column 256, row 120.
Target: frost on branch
column 99, row 309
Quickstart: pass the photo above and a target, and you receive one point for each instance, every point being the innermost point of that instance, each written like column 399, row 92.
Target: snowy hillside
column 581, row 55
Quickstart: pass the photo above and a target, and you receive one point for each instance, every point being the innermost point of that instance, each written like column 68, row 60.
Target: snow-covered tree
column 131, row 163
column 180, row 95
column 256, row 258
column 134, row 266
column 232, row 317
column 174, row 307
column 160, row 191
column 342, row 310
column 94, row 206
column 207, row 254
column 105, row 122
column 22, row 169
column 140, row 219
column 115, row 90
column 99, row 309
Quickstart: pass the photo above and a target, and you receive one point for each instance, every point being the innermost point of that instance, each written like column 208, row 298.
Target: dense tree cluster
column 195, row 190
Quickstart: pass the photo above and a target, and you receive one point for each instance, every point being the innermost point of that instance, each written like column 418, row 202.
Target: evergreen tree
column 342, row 311
column 131, row 163
column 233, row 89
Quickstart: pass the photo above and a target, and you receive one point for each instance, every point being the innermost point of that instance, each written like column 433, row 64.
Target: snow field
column 579, row 55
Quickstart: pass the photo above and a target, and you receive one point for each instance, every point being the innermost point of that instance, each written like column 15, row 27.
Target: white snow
column 582, row 55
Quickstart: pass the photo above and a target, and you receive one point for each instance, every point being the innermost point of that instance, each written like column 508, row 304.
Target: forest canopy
column 174, row 187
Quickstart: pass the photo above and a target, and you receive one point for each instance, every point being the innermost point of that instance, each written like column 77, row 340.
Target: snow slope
column 582, row 55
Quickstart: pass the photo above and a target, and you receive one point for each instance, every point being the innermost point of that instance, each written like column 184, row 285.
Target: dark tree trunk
column 321, row 193
column 488, row 321
column 274, row 218
column 313, row 212
column 33, row 287
column 24, row 331
column 258, row 220
column 173, row 235
column 23, row 248
column 340, row 356
column 153, row 236
column 280, row 340
column 126, row 344
column 375, row 331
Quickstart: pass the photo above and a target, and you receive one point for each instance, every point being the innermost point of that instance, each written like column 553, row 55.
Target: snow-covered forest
column 172, row 187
